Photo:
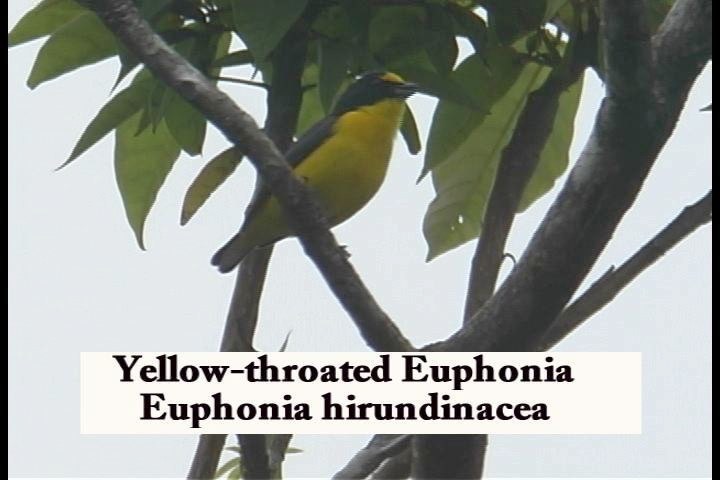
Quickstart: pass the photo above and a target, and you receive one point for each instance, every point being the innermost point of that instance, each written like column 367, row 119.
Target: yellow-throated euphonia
column 343, row 160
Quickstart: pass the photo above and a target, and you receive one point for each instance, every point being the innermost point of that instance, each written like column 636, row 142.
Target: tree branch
column 283, row 107
column 394, row 467
column 518, row 162
column 237, row 337
column 302, row 211
column 682, row 45
column 380, row 448
column 631, row 128
column 207, row 455
column 604, row 290
column 448, row 456
column 626, row 38
column 253, row 452
column 283, row 101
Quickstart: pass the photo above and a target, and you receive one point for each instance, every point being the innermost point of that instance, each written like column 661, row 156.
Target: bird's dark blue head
column 372, row 88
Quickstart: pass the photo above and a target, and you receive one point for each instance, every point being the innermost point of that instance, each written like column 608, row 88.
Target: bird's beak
column 404, row 90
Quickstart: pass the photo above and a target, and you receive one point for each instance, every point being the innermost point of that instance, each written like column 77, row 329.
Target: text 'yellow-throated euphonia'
column 343, row 160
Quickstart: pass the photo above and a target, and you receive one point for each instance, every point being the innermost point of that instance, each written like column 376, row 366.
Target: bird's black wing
column 310, row 140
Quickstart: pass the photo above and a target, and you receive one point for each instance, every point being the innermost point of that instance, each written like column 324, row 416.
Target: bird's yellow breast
column 346, row 171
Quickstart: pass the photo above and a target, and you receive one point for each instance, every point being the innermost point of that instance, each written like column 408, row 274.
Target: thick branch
column 629, row 133
column 614, row 281
column 682, row 45
column 302, row 211
column 626, row 42
column 207, row 456
column 254, row 455
column 448, row 456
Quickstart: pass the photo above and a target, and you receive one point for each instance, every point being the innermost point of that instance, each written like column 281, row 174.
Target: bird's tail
column 232, row 253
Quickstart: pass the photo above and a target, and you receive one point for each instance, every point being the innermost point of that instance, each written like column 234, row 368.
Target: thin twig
column 242, row 81
column 604, row 290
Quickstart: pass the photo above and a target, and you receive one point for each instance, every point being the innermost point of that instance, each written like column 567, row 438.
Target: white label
column 360, row 393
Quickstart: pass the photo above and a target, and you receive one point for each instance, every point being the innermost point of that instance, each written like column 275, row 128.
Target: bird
column 342, row 159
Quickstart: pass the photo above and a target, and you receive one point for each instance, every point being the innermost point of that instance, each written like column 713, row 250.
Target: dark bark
column 380, row 448
column 206, row 458
column 448, row 456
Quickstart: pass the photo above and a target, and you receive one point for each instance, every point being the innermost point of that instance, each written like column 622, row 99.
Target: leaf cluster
column 515, row 45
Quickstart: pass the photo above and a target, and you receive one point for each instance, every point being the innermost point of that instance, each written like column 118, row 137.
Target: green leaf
column 142, row 162
column 440, row 43
column 553, row 7
column 80, row 42
column 128, row 62
column 217, row 48
column 263, row 23
column 409, row 131
column 112, row 114
column 510, row 19
column 488, row 77
column 184, row 121
column 213, row 174
column 396, row 32
column 44, row 19
column 151, row 8
column 469, row 25
column 235, row 473
column 295, row 450
column 168, row 26
column 239, row 57
column 554, row 157
column 707, row 108
column 464, row 180
column 335, row 23
column 333, row 65
column 228, row 466
column 356, row 21
column 155, row 107
column 444, row 87
column 311, row 110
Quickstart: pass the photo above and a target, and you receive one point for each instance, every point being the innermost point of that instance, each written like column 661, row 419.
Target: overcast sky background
column 78, row 282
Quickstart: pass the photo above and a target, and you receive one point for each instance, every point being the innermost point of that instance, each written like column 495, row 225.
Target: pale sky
column 78, row 282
